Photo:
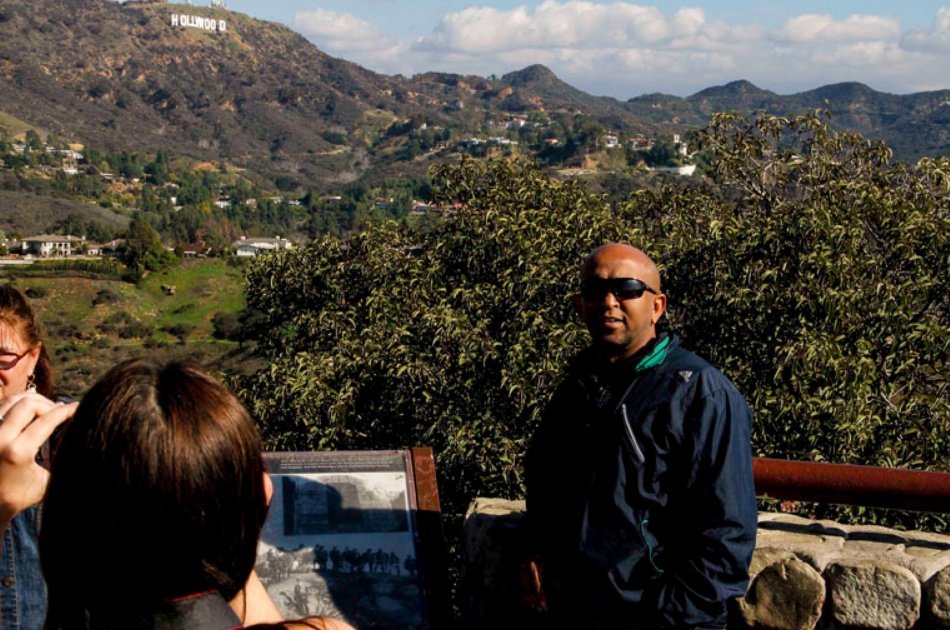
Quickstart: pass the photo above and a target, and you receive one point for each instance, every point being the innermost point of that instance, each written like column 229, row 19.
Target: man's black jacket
column 640, row 495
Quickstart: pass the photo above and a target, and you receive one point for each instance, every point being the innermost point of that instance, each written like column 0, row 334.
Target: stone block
column 816, row 542
column 872, row 595
column 926, row 559
column 785, row 593
column 922, row 561
column 493, row 541
column 937, row 603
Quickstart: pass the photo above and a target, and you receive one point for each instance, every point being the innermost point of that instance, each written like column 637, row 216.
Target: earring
column 31, row 382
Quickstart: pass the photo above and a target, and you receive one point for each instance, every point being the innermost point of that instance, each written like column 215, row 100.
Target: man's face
column 619, row 327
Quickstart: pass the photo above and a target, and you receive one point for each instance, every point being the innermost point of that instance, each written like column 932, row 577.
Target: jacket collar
column 601, row 379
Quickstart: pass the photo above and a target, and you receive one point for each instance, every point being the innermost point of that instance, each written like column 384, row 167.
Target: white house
column 685, row 170
column 50, row 245
column 250, row 246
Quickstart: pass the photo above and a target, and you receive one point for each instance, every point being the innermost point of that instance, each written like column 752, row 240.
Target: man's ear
column 659, row 307
column 268, row 488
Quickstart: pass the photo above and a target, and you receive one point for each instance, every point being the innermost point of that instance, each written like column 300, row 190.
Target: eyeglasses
column 621, row 288
column 8, row 360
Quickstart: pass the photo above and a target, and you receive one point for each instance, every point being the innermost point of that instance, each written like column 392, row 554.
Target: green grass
column 203, row 288
column 82, row 351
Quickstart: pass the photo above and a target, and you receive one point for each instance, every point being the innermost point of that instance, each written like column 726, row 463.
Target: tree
column 662, row 153
column 813, row 273
column 33, row 140
column 808, row 268
column 391, row 338
column 158, row 169
column 144, row 250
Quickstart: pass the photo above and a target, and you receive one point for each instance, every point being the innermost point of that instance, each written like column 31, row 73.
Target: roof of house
column 255, row 241
column 50, row 238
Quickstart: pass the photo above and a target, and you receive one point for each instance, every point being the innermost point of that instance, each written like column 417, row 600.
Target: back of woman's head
column 17, row 314
column 156, row 492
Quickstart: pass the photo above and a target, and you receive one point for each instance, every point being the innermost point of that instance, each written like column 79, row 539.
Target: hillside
column 121, row 77
column 912, row 124
column 91, row 324
column 30, row 213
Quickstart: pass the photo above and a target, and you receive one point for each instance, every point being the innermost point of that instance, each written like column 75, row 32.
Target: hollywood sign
column 195, row 21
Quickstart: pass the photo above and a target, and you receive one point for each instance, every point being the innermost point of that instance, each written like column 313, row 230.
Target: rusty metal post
column 895, row 488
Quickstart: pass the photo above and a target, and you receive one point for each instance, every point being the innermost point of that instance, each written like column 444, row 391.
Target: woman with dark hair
column 26, row 384
column 155, row 506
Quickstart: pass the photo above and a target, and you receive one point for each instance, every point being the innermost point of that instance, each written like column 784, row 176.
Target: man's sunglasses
column 8, row 360
column 621, row 288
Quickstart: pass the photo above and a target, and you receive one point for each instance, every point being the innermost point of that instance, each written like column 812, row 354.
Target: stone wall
column 805, row 574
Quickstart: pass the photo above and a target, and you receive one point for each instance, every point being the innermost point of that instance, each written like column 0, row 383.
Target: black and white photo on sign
column 343, row 545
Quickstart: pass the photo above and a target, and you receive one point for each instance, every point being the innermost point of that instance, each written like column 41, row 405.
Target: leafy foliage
column 806, row 267
column 814, row 275
column 144, row 250
column 452, row 337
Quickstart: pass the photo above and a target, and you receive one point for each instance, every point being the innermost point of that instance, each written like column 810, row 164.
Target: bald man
column 639, row 478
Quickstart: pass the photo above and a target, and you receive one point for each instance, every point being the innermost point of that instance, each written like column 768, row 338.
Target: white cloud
column 935, row 39
column 339, row 31
column 813, row 27
column 859, row 54
column 625, row 49
column 553, row 24
column 688, row 21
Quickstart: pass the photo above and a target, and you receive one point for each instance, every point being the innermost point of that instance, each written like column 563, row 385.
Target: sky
column 623, row 49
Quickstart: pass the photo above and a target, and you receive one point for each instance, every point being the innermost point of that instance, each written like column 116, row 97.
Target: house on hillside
column 680, row 145
column 50, row 245
column 191, row 250
column 250, row 246
column 112, row 248
column 641, row 143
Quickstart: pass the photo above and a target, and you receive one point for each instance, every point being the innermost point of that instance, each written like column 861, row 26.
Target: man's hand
column 26, row 422
column 530, row 574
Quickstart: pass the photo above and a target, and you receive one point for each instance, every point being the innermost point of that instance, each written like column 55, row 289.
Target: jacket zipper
column 643, row 522
column 633, row 439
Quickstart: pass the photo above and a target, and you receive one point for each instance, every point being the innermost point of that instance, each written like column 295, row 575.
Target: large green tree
column 452, row 338
column 144, row 250
column 805, row 265
column 814, row 273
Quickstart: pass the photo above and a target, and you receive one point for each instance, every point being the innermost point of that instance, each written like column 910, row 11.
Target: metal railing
column 895, row 488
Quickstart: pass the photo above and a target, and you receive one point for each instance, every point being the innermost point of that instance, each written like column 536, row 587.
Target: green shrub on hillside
column 226, row 326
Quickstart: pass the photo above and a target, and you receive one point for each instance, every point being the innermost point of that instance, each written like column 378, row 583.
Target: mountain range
column 122, row 76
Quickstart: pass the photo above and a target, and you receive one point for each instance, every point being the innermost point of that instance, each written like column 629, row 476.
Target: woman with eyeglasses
column 28, row 417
